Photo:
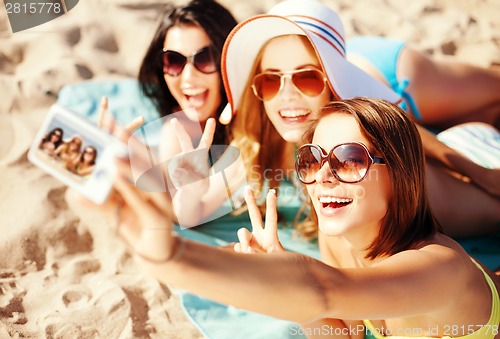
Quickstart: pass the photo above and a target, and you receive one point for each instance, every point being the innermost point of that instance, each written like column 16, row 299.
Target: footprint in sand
column 11, row 299
column 76, row 298
column 76, row 270
column 95, row 309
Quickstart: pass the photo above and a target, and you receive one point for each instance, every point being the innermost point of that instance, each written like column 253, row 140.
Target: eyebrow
column 306, row 66
column 189, row 54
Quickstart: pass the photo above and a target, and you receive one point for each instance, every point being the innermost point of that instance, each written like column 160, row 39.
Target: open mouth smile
column 294, row 115
column 331, row 205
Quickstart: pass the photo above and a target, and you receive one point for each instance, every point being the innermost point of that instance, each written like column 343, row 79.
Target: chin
column 293, row 136
column 330, row 228
column 196, row 115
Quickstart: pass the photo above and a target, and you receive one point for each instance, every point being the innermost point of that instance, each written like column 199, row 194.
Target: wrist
column 178, row 249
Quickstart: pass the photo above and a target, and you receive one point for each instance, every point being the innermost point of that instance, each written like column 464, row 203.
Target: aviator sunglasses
column 348, row 162
column 310, row 82
column 174, row 62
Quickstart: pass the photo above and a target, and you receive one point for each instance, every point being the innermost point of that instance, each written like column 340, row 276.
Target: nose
column 188, row 72
column 324, row 174
column 287, row 87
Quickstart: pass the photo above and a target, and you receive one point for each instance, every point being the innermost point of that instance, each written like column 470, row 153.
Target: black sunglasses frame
column 191, row 59
column 326, row 157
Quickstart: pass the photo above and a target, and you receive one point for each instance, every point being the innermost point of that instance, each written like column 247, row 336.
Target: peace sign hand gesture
column 264, row 238
column 192, row 164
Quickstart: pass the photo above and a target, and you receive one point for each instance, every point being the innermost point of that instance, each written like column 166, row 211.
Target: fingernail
column 273, row 191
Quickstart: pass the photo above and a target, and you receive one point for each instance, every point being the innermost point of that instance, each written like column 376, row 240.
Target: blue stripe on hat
column 323, row 30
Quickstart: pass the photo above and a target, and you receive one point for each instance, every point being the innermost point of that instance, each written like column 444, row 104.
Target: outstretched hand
column 144, row 219
column 263, row 238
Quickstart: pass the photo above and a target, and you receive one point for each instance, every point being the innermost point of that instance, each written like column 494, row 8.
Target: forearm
column 436, row 150
column 192, row 208
column 250, row 282
column 187, row 208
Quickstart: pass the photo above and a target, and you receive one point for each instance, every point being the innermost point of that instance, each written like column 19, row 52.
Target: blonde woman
column 294, row 62
column 70, row 150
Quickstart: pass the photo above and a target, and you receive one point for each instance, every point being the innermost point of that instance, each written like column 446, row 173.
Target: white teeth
column 327, row 200
column 293, row 113
column 193, row 92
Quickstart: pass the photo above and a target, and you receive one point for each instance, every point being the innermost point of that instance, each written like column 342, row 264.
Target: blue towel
column 126, row 100
column 219, row 321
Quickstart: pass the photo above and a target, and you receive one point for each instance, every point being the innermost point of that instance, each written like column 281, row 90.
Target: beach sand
column 62, row 272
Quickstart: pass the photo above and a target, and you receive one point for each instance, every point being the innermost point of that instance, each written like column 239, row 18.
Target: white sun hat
column 324, row 30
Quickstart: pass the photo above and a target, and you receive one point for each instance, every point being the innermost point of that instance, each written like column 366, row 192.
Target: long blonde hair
column 251, row 130
column 253, row 133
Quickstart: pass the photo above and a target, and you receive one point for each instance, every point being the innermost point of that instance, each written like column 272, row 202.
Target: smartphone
column 76, row 152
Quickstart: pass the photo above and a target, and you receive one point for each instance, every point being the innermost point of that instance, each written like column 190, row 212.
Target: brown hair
column 392, row 133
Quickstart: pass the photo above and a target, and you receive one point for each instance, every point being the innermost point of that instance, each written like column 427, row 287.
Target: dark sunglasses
column 349, row 162
column 310, row 82
column 203, row 60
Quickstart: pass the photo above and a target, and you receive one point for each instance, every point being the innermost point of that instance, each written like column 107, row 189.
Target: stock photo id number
column 25, row 14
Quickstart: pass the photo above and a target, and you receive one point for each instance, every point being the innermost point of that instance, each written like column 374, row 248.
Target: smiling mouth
column 294, row 115
column 196, row 98
column 334, row 202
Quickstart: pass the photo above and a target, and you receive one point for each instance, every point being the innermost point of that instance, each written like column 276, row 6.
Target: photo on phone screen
column 76, row 152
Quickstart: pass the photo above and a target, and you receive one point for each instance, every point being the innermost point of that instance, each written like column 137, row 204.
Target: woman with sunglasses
column 294, row 62
column 181, row 72
column 181, row 68
column 52, row 141
column 70, row 150
column 386, row 266
column 85, row 163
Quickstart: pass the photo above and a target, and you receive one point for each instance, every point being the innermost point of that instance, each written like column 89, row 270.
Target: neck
column 354, row 246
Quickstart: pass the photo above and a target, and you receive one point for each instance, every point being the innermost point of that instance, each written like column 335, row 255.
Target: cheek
column 385, row 181
column 271, row 112
column 214, row 83
column 310, row 191
column 172, row 84
column 268, row 107
column 316, row 103
column 377, row 191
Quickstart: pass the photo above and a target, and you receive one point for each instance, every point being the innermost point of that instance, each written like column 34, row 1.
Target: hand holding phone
column 77, row 153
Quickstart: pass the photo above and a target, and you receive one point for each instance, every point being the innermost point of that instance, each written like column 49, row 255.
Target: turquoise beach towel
column 218, row 321
column 126, row 101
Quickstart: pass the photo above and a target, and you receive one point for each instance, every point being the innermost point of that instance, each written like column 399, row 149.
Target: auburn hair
column 392, row 133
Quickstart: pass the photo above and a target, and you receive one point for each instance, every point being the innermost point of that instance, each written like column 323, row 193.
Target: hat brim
column 246, row 40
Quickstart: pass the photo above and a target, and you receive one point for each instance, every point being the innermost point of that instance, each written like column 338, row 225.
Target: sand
column 62, row 272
